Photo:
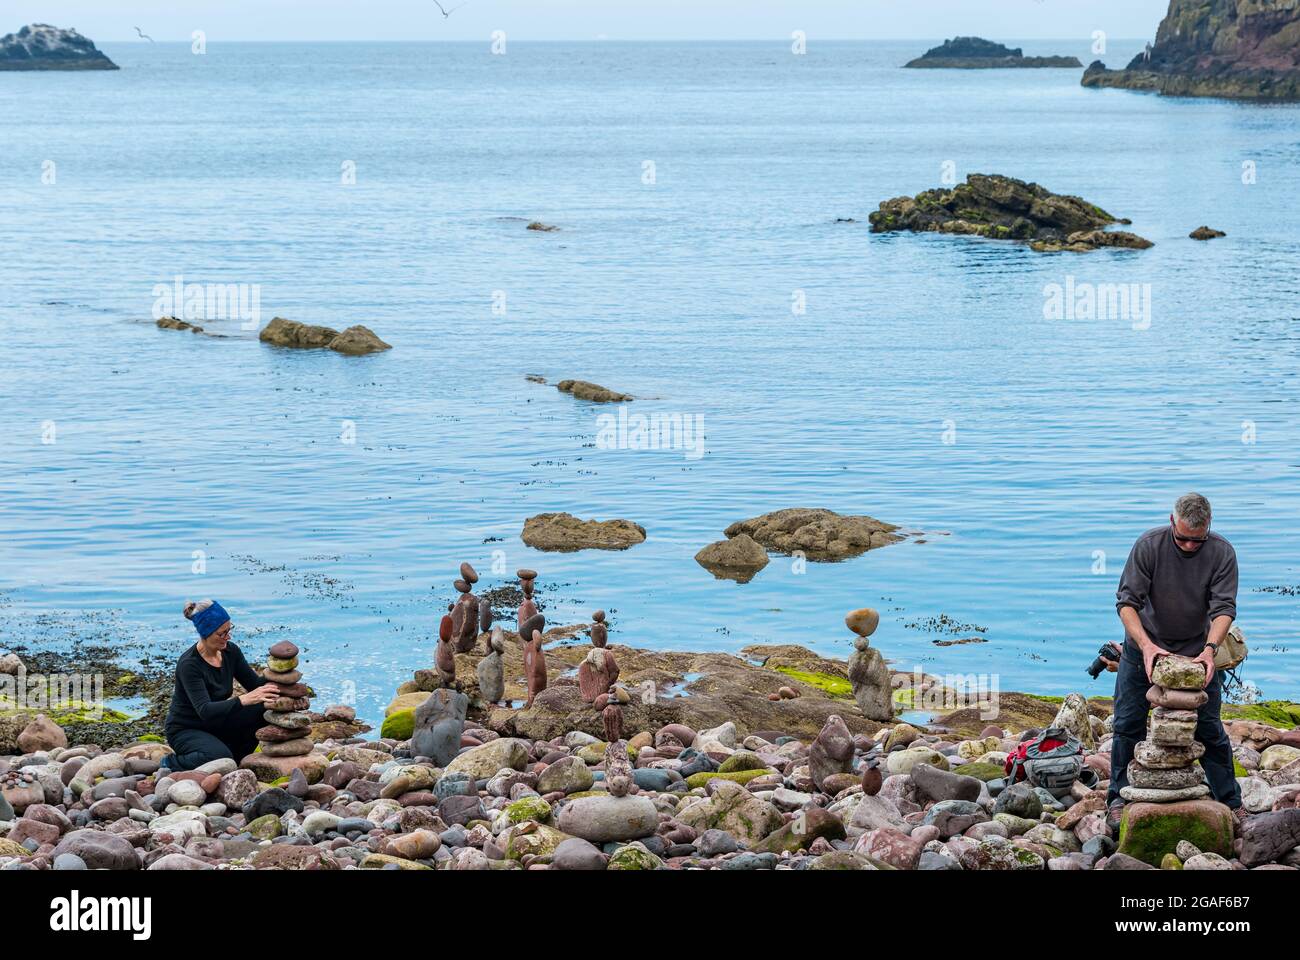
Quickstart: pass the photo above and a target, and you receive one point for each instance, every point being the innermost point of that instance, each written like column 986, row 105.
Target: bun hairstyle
column 192, row 607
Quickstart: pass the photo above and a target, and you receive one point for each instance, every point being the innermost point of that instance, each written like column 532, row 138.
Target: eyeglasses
column 1181, row 539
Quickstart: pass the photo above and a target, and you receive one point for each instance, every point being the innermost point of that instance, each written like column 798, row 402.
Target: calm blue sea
column 125, row 449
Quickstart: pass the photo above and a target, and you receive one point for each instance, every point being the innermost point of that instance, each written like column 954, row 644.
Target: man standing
column 1178, row 594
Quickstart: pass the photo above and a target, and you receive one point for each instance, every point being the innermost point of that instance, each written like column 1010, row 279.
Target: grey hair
column 1194, row 510
column 191, row 608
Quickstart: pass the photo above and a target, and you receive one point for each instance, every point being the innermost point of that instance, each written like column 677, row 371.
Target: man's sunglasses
column 1182, row 539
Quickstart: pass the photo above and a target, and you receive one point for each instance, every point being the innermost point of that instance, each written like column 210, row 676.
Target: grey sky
column 589, row 19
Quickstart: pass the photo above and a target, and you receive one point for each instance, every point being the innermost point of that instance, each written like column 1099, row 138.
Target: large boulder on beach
column 734, row 809
column 485, row 760
column 99, row 850
column 42, row 734
column 563, row 532
column 439, row 721
column 1003, row 208
column 39, row 46
column 1148, row 831
column 602, row 819
column 816, row 533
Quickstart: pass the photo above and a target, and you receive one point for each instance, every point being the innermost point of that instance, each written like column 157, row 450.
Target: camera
column 1106, row 655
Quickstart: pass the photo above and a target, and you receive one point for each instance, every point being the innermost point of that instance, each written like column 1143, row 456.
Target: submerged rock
column 1240, row 49
column 586, row 390
column 564, row 532
column 39, row 46
column 1004, row 208
column 1206, row 233
column 354, row 340
column 974, row 53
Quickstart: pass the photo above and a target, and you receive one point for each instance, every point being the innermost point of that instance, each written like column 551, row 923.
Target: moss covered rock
column 634, row 856
column 1148, row 831
column 399, row 725
column 529, row 808
column 981, row 771
column 736, row 776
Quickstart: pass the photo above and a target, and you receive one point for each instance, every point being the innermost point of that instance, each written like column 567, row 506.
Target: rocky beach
column 629, row 759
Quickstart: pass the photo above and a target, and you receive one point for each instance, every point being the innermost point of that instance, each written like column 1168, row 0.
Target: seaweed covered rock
column 975, row 53
column 1148, row 831
column 1003, row 208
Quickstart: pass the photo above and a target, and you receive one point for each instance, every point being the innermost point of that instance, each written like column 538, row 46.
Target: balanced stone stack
column 868, row 674
column 1163, row 769
column 287, row 734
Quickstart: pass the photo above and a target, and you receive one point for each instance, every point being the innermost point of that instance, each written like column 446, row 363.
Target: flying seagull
column 143, row 35
column 445, row 12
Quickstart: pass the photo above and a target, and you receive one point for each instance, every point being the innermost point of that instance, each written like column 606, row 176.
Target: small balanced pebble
column 468, row 573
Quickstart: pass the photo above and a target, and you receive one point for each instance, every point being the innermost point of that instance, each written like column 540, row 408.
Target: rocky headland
column 39, row 46
column 976, row 53
column 684, row 764
column 1238, row 49
column 1003, row 208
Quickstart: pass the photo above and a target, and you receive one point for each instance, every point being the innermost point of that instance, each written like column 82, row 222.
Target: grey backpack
column 1053, row 760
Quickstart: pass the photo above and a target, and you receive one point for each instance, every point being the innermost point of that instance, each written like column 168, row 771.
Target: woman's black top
column 201, row 700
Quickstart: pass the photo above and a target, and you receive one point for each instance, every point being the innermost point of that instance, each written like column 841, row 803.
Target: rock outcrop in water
column 976, row 53
column 1003, row 208
column 40, row 46
column 817, row 534
column 563, row 532
column 585, row 390
column 1240, row 49
column 355, row 341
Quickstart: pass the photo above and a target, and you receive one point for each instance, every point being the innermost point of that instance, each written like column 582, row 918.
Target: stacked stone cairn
column 868, row 674
column 465, row 612
column 1163, row 769
column 599, row 671
column 288, row 724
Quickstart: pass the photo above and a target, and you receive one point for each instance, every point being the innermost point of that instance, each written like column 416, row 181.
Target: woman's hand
column 263, row 694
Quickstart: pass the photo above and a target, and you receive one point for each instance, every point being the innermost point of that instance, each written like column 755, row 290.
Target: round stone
column 284, row 650
column 534, row 624
column 468, row 573
column 599, row 616
column 281, row 665
column 525, row 574
column 461, row 586
column 863, row 621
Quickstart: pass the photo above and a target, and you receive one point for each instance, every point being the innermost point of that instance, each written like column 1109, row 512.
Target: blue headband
column 209, row 621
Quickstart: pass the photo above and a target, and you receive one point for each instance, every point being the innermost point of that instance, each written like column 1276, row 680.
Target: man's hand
column 1113, row 665
column 1150, row 654
column 1206, row 656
